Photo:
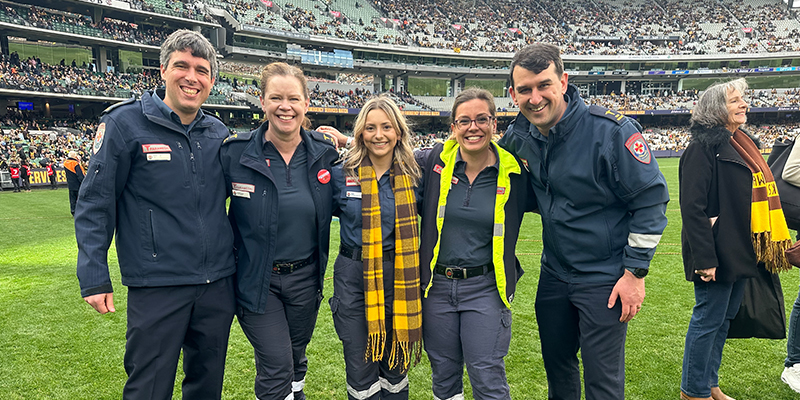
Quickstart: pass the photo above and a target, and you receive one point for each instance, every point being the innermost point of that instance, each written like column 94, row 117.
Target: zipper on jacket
column 153, row 234
column 194, row 167
column 618, row 180
column 185, row 166
column 263, row 211
column 200, row 165
column 548, row 148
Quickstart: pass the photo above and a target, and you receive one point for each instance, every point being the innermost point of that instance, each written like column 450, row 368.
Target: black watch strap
column 638, row 272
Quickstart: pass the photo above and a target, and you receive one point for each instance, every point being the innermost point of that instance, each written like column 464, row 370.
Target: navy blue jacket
column 601, row 195
column 163, row 192
column 254, row 209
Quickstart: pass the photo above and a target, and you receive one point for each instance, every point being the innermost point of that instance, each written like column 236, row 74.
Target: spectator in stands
column 288, row 230
column 180, row 281
column 376, row 302
column 75, row 175
column 721, row 247
column 469, row 268
column 589, row 289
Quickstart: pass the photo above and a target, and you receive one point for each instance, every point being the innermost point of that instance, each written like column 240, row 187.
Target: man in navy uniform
column 602, row 200
column 155, row 179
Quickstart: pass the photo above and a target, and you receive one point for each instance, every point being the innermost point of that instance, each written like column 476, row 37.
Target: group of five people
column 162, row 170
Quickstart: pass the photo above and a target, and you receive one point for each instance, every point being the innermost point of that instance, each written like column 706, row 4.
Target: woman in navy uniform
column 278, row 177
column 475, row 194
column 376, row 294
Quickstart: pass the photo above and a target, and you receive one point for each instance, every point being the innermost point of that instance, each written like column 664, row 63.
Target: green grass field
column 54, row 346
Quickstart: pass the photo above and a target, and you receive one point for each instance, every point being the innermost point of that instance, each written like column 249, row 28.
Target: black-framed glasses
column 480, row 122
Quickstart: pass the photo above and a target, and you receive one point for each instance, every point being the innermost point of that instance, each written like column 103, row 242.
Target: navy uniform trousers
column 365, row 380
column 164, row 320
column 281, row 334
column 576, row 316
column 464, row 321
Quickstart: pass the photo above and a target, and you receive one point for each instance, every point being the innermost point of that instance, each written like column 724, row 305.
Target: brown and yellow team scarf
column 406, row 339
column 767, row 223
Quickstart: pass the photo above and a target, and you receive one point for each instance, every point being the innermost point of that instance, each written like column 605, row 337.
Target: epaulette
column 238, row 137
column 323, row 137
column 120, row 104
column 606, row 113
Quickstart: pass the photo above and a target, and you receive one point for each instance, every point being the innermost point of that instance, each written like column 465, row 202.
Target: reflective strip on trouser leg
column 298, row 386
column 459, row 396
column 365, row 394
column 290, row 396
column 393, row 388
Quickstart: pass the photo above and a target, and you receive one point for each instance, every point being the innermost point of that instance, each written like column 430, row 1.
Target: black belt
column 452, row 272
column 354, row 253
column 287, row 267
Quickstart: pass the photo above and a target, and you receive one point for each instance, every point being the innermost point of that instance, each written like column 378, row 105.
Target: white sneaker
column 791, row 377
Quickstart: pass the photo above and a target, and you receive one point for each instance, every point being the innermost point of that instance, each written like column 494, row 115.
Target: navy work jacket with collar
column 160, row 187
column 254, row 208
column 601, row 195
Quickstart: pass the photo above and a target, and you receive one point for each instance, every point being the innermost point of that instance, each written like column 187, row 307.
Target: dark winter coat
column 716, row 182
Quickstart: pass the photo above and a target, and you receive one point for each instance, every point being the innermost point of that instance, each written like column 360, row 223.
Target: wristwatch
column 638, row 272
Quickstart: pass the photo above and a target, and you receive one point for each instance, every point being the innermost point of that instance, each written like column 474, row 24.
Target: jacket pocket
column 183, row 155
column 91, row 189
column 262, row 209
column 152, row 230
column 351, row 199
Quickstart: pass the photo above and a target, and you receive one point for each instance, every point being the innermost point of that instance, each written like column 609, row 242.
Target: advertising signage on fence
column 654, row 112
column 333, row 110
column 423, row 113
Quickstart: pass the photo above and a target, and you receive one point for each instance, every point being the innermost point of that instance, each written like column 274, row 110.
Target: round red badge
column 324, row 176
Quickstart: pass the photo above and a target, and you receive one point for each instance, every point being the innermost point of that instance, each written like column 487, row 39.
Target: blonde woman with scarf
column 376, row 291
column 732, row 225
column 475, row 194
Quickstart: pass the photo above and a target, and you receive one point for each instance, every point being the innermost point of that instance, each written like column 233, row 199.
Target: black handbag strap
column 780, row 148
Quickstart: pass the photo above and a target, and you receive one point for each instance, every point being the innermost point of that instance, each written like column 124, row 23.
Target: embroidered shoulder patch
column 98, row 137
column 637, row 146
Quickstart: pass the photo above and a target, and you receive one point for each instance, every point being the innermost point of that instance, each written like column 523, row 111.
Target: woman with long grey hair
column 732, row 226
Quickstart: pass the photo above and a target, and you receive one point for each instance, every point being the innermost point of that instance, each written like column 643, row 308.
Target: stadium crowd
column 579, row 27
column 37, row 141
column 685, row 100
column 108, row 28
column 600, row 27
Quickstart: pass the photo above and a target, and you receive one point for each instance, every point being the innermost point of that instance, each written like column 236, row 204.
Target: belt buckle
column 282, row 268
column 454, row 273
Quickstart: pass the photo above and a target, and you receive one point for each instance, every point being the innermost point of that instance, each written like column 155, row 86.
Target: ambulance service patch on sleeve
column 637, row 146
column 98, row 137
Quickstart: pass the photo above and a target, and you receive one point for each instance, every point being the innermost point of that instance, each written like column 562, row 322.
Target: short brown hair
column 282, row 69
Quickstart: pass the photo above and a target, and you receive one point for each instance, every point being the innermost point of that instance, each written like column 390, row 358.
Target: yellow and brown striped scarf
column 406, row 340
column 767, row 224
